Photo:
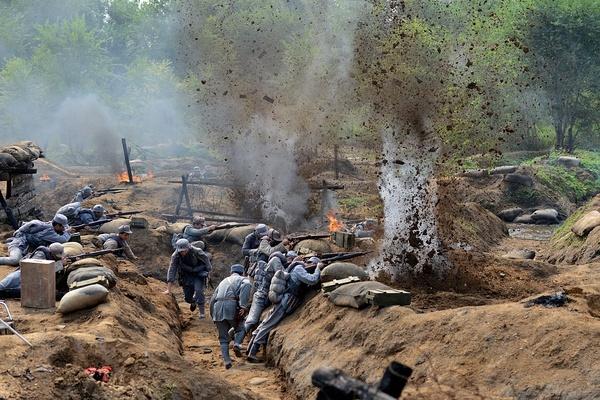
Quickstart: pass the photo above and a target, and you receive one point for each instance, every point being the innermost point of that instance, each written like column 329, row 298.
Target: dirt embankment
column 497, row 351
column 137, row 332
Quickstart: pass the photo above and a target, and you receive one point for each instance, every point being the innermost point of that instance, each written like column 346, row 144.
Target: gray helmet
column 124, row 229
column 87, row 191
column 314, row 260
column 56, row 249
column 277, row 254
column 182, row 245
column 275, row 235
column 61, row 219
column 261, row 230
column 237, row 269
column 198, row 219
column 98, row 208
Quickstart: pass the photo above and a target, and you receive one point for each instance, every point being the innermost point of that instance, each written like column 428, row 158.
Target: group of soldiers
column 272, row 275
column 44, row 240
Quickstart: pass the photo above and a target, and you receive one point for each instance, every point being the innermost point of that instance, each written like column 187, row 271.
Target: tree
column 562, row 38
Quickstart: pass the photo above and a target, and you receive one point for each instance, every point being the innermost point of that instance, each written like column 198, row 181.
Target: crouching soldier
column 83, row 194
column 228, row 306
column 195, row 232
column 34, row 234
column 10, row 286
column 114, row 241
column 291, row 297
column 191, row 266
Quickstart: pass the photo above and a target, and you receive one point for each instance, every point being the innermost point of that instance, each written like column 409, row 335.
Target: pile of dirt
column 566, row 247
column 495, row 351
column 137, row 333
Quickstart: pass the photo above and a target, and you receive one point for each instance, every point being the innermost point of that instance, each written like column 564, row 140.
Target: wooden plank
column 336, row 283
column 389, row 297
column 38, row 283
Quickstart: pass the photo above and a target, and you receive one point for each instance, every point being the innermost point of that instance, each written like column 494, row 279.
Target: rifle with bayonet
column 306, row 236
column 93, row 254
column 91, row 224
column 229, row 226
column 123, row 213
column 328, row 258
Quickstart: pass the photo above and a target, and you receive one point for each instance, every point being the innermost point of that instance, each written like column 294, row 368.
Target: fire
column 45, row 178
column 334, row 223
column 123, row 177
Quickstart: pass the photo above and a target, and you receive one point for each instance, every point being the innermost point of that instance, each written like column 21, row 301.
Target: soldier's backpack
column 278, row 286
column 69, row 210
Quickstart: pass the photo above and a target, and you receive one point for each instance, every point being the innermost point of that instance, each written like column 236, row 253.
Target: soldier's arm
column 246, row 247
column 128, row 251
column 244, row 296
column 191, row 231
column 307, row 278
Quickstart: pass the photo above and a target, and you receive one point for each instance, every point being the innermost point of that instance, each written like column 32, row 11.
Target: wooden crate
column 344, row 239
column 388, row 297
column 336, row 283
column 139, row 223
column 38, row 283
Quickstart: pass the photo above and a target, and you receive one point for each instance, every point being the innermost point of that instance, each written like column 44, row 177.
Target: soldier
column 86, row 215
column 10, row 286
column 118, row 240
column 260, row 300
column 34, row 234
column 191, row 266
column 270, row 244
column 228, row 306
column 298, row 277
column 251, row 243
column 83, row 194
column 194, row 232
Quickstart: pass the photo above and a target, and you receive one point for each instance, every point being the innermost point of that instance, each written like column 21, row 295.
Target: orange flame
column 123, row 177
column 334, row 223
column 45, row 178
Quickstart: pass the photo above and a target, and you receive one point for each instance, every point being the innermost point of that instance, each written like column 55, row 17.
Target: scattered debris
column 558, row 299
column 268, row 99
column 101, row 374
column 257, row 381
column 130, row 361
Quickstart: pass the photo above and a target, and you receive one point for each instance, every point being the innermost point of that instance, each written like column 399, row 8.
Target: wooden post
column 186, row 195
column 335, row 162
column 9, row 214
column 38, row 283
column 126, row 154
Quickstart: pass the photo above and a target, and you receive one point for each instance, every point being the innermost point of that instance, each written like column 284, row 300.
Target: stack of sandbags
column 354, row 294
column 312, row 246
column 72, row 249
column 113, row 226
column 19, row 155
column 89, row 280
column 238, row 235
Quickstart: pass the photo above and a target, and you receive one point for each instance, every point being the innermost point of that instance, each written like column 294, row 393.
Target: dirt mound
column 137, row 332
column 566, row 247
column 497, row 351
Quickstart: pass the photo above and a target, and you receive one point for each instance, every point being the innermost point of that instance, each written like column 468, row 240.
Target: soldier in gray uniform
column 298, row 277
column 195, row 232
column 119, row 240
column 270, row 244
column 34, row 234
column 83, row 194
column 10, row 286
column 263, row 275
column 191, row 266
column 228, row 306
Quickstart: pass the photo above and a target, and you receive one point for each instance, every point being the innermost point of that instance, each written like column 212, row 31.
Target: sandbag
column 545, row 216
column 177, row 227
column 18, row 153
column 312, row 246
column 86, row 273
column 341, row 270
column 354, row 294
column 510, row 214
column 586, row 224
column 81, row 298
column 238, row 235
column 113, row 226
column 85, row 262
column 217, row 236
column 278, row 286
column 199, row 244
column 73, row 248
column 7, row 161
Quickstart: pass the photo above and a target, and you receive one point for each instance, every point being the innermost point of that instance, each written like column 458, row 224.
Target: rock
column 257, row 381
column 569, row 161
column 510, row 214
column 520, row 179
column 523, row 219
column 520, row 255
column 59, row 381
column 475, row 173
column 206, row 350
column 503, row 170
column 130, row 361
column 545, row 216
column 586, row 223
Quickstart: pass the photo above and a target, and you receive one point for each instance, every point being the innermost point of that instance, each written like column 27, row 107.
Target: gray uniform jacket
column 232, row 294
column 112, row 241
column 37, row 233
column 265, row 273
column 251, row 242
column 265, row 249
column 193, row 234
column 299, row 276
column 195, row 264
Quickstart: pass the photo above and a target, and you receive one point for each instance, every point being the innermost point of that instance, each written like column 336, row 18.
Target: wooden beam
column 126, row 154
column 9, row 214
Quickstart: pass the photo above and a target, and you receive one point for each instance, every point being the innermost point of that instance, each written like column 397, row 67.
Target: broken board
column 101, row 280
column 388, row 297
column 336, row 283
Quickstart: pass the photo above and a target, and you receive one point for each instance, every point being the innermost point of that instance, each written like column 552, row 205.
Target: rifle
column 101, row 192
column 93, row 254
column 124, row 213
column 332, row 257
column 306, row 236
column 334, row 384
column 91, row 224
column 229, row 226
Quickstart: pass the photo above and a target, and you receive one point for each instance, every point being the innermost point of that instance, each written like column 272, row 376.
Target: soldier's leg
column 223, row 328
column 188, row 295
column 259, row 303
column 199, row 295
column 261, row 334
column 15, row 255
